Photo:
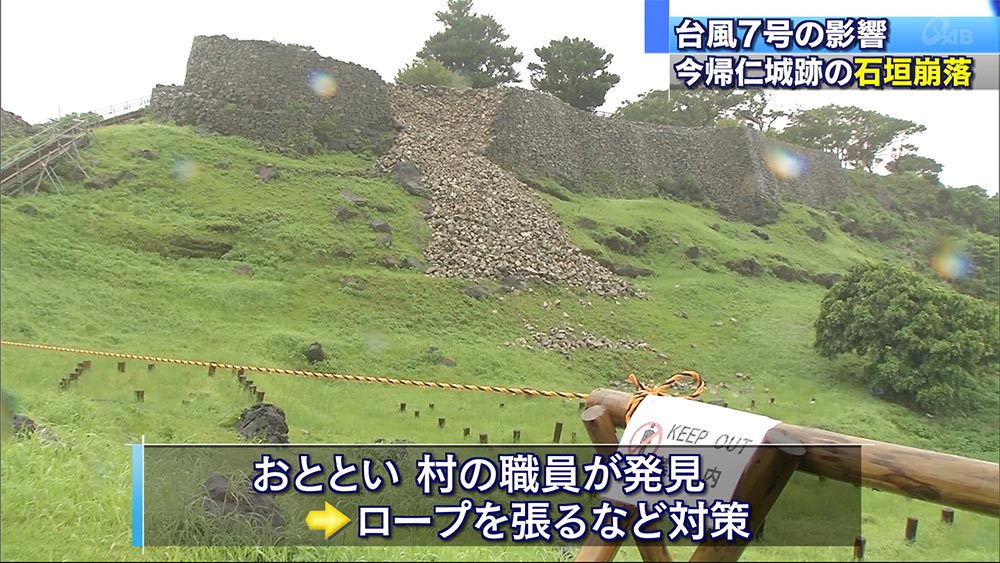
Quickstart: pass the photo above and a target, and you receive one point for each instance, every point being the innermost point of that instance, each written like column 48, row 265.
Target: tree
column 687, row 108
column 855, row 135
column 429, row 73
column 925, row 346
column 907, row 161
column 755, row 109
column 471, row 45
column 575, row 71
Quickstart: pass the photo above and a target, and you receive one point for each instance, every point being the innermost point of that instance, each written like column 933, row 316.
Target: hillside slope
column 193, row 255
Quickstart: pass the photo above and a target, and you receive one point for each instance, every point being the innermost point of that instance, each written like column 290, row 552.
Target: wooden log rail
column 945, row 479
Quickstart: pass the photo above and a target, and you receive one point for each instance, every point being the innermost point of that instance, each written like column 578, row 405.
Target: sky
column 59, row 56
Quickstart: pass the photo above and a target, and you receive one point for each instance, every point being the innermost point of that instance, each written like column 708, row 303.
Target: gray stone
column 263, row 422
column 28, row 209
column 381, row 226
column 353, row 198
column 826, row 280
column 745, row 267
column 816, row 233
column 314, row 353
column 586, row 223
column 266, row 173
column 24, row 428
column 693, row 252
column 145, row 154
column 476, row 291
column 223, row 498
column 760, row 234
column 344, row 213
column 243, row 270
column 413, row 263
column 408, row 176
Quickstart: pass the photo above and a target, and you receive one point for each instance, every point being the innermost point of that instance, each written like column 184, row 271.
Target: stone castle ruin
column 473, row 149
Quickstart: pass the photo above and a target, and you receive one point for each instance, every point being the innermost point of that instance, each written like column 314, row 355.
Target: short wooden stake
column 572, row 438
column 440, row 422
column 211, row 371
column 557, row 433
column 582, row 405
column 402, row 407
column 859, row 548
column 501, row 405
column 947, row 515
column 85, row 364
column 483, row 439
column 149, row 367
column 431, row 406
column 911, row 529
column 121, row 367
column 517, row 436
column 253, row 389
column 260, row 396
column 416, row 414
column 466, row 431
column 140, row 395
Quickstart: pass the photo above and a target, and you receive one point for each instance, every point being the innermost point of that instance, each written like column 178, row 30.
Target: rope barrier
column 644, row 390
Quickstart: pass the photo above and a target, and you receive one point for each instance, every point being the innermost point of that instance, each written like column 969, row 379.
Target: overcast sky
column 60, row 56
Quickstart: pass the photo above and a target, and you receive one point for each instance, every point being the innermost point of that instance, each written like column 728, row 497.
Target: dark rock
column 266, row 173
column 592, row 252
column 476, row 291
column 745, row 267
column 446, row 361
column 314, row 353
column 761, row 234
column 816, row 233
column 265, row 423
column 826, row 280
column 408, row 176
column 224, row 498
column 620, row 245
column 353, row 198
column 382, row 207
column 381, row 226
column 108, row 181
column 28, row 209
column 784, row 272
column 145, row 154
column 390, row 262
column 437, row 357
column 413, row 263
column 630, row 271
column 243, row 270
column 385, row 240
column 24, row 428
column 693, row 252
column 850, row 225
column 716, row 227
column 586, row 223
column 186, row 246
column 352, row 283
column 344, row 213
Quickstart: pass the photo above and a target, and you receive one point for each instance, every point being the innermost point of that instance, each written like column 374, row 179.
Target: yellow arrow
column 329, row 520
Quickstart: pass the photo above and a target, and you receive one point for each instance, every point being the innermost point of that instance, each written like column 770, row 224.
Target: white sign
column 725, row 440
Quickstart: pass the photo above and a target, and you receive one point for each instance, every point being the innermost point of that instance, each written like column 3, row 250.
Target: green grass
column 100, row 269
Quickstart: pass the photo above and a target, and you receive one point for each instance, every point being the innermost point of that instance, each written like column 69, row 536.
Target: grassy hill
column 147, row 266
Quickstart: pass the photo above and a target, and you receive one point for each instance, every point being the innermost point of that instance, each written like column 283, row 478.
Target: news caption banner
column 677, row 467
column 895, row 53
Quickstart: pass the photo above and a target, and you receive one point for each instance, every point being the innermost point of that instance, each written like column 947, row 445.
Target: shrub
column 429, row 72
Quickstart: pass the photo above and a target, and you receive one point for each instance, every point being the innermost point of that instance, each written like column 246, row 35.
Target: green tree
column 857, row 136
column 756, row 110
column 575, row 71
column 428, row 73
column 983, row 278
column 915, row 164
column 700, row 107
column 472, row 46
column 925, row 346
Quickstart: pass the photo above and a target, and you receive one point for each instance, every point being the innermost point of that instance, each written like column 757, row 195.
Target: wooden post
column 466, row 431
column 211, row 371
column 484, row 439
column 501, row 405
column 253, row 389
column 239, row 372
column 601, row 430
column 140, row 395
column 249, row 383
column 260, row 396
column 762, row 481
column 416, row 414
column 912, row 472
column 947, row 515
column 557, row 433
column 149, row 367
column 86, row 364
column 911, row 529
column 583, row 405
column 572, row 438
column 431, row 406
column 121, row 367
column 859, row 548
column 402, row 407
column 440, row 422
column 517, row 436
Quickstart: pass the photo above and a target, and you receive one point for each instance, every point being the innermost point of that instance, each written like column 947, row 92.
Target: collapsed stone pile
column 485, row 222
column 565, row 339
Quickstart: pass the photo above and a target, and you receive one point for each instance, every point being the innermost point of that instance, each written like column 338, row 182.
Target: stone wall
column 285, row 95
column 11, row 125
column 743, row 172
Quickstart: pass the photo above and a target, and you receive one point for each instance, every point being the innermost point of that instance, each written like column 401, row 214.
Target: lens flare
column 783, row 163
column 951, row 260
column 322, row 84
column 184, row 169
column 375, row 341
